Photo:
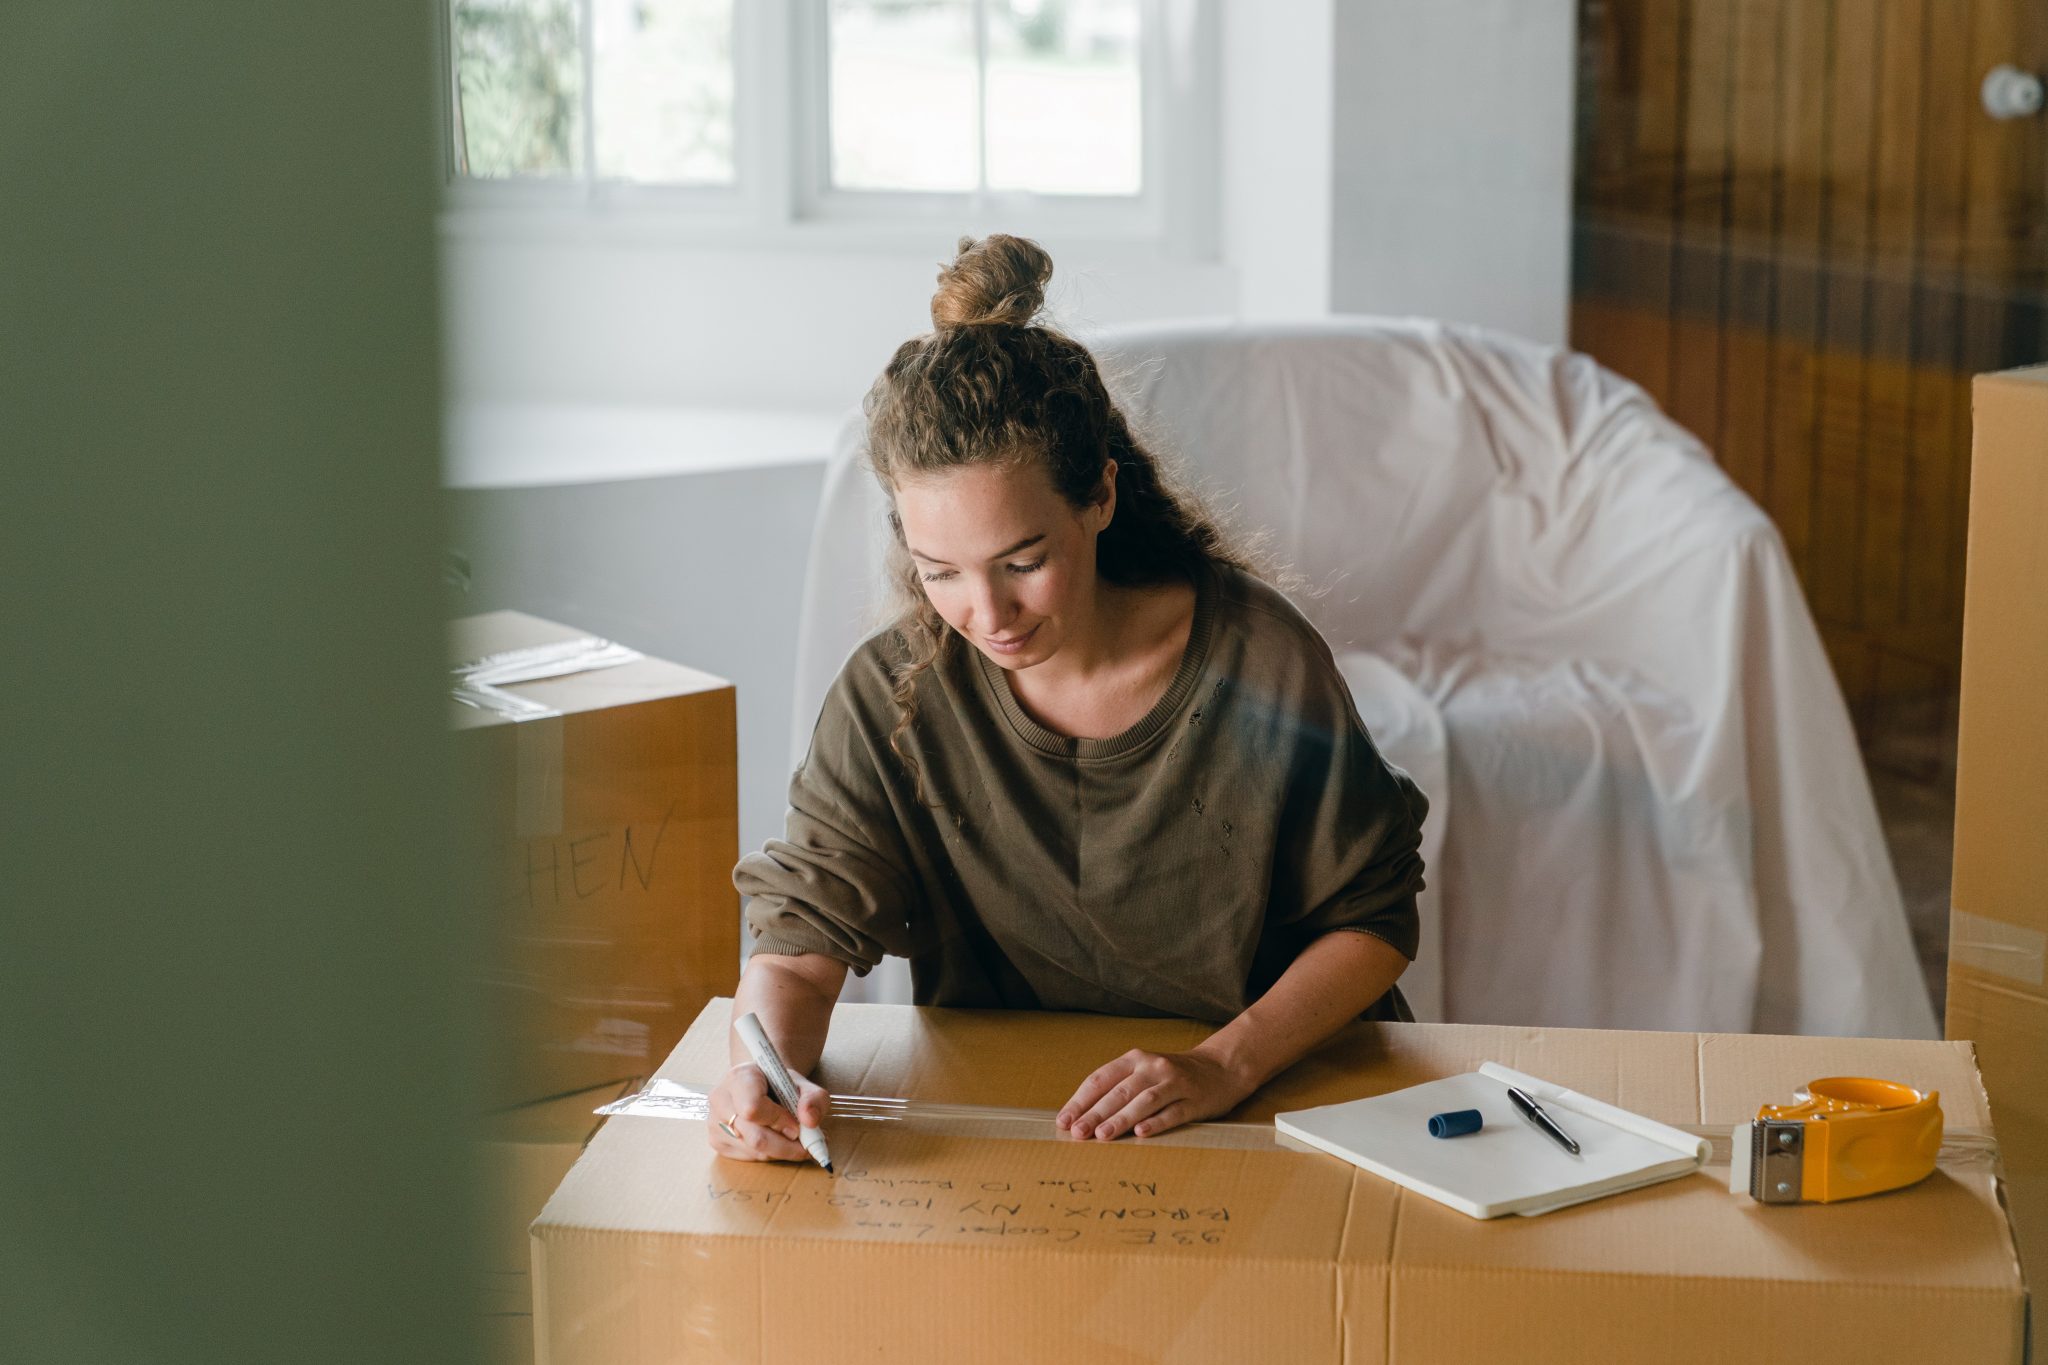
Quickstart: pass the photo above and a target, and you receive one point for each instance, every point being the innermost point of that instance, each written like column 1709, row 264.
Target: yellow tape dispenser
column 1847, row 1136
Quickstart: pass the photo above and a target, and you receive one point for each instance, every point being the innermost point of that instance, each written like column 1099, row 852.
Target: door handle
column 2011, row 93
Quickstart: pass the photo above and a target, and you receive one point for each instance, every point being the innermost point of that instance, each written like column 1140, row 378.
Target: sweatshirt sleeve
column 1352, row 838
column 839, row 882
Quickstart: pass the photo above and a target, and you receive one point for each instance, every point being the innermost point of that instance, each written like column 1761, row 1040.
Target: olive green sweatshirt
column 1174, row 869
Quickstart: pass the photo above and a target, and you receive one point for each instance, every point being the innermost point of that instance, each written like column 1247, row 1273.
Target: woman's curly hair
column 990, row 385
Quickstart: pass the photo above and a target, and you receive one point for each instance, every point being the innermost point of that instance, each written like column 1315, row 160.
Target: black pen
column 1533, row 1112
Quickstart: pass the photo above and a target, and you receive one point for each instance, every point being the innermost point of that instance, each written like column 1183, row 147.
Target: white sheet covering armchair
column 1583, row 641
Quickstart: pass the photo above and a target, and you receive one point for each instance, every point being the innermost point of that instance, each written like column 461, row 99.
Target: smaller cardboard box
column 1998, row 931
column 601, row 840
column 521, row 1156
column 986, row 1236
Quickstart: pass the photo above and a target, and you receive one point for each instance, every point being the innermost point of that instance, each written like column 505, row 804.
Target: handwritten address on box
column 1122, row 1213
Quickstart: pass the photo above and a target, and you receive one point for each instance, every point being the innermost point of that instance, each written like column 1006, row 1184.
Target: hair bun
column 999, row 280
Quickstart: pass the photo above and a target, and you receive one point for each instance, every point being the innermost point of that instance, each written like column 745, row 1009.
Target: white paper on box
column 1508, row 1166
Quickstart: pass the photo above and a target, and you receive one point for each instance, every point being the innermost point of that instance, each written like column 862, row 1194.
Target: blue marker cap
column 1455, row 1124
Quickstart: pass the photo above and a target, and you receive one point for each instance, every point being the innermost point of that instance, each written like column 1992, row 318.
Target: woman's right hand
column 760, row 1129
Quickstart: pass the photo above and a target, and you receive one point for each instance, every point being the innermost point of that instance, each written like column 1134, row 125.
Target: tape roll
column 1456, row 1123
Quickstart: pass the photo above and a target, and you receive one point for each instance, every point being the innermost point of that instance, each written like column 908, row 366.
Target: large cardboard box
column 1998, row 934
column 1000, row 1241
column 603, row 838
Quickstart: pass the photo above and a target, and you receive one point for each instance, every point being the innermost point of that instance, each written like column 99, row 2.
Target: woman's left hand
column 1147, row 1093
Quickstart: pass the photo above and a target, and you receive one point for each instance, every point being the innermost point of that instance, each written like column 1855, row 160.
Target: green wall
column 232, row 1044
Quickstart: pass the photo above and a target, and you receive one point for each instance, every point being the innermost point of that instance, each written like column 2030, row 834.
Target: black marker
column 1533, row 1112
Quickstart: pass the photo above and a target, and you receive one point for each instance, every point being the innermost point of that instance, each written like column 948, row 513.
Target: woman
column 1096, row 764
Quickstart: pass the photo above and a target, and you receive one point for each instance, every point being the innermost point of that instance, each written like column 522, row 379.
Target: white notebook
column 1509, row 1165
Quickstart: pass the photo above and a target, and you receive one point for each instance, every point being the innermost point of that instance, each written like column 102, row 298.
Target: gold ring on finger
column 731, row 1131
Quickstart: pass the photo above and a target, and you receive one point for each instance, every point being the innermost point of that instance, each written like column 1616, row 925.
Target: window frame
column 781, row 150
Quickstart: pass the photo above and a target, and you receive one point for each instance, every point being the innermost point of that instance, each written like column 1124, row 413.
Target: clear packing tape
column 1962, row 1149
column 670, row 1099
column 481, row 682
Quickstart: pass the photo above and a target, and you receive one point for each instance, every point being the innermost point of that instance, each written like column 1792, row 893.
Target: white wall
column 593, row 316
column 1277, row 162
column 1453, row 139
column 705, row 569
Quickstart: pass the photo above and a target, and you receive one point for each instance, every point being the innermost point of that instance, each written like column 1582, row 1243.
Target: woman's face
column 1007, row 561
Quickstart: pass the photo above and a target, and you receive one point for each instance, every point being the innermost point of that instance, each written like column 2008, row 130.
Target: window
column 1032, row 96
column 743, row 116
column 647, row 99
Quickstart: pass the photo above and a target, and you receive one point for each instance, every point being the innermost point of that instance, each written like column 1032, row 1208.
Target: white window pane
column 903, row 94
column 1064, row 108
column 520, row 82
column 662, row 83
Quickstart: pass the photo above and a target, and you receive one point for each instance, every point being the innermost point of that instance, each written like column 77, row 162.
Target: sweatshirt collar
column 1192, row 658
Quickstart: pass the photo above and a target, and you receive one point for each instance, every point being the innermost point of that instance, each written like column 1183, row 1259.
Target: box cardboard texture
column 927, row 1247
column 604, row 839
column 1996, row 991
column 522, row 1155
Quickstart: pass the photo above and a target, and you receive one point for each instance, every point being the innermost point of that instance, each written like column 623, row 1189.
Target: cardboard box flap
column 1016, row 1197
column 1653, row 1074
column 568, row 1118
column 974, row 1057
column 1738, row 1072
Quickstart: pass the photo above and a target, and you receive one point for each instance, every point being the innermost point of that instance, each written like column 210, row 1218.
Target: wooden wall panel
column 1637, row 164
column 1833, row 571
column 1798, row 230
column 1888, row 390
column 1940, row 398
column 1795, row 260
column 1744, row 443
column 1699, row 285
